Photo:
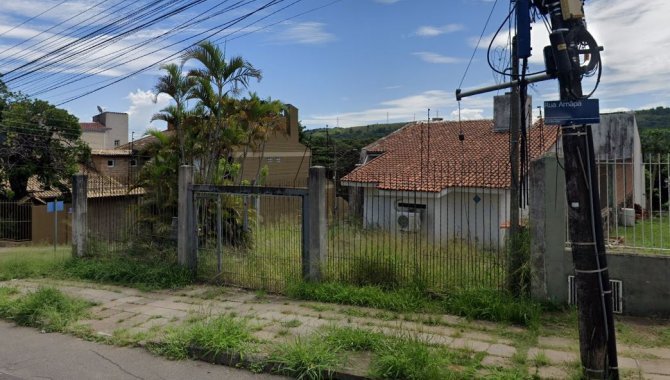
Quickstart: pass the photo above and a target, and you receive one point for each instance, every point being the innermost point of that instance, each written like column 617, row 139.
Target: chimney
column 501, row 112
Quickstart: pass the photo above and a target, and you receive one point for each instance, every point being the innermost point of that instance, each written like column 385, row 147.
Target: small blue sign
column 58, row 205
column 584, row 111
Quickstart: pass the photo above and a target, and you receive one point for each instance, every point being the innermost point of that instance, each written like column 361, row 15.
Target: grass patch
column 30, row 262
column 353, row 339
column 493, row 305
column 482, row 304
column 291, row 324
column 224, row 333
column 414, row 359
column 128, row 272
column 311, row 359
column 47, row 309
column 35, row 262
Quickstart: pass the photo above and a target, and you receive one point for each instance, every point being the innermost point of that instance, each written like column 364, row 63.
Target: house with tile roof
column 445, row 180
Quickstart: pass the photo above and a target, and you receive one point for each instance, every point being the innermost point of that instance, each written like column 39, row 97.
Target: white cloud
column 386, row 1
column 309, row 33
column 436, row 58
column 434, row 31
column 409, row 108
column 143, row 105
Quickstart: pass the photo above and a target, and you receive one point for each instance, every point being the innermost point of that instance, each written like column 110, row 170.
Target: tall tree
column 38, row 139
column 215, row 81
column 177, row 86
column 258, row 118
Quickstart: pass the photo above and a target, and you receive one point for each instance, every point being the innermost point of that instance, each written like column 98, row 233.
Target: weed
column 352, row 339
column 128, row 272
column 309, row 360
column 221, row 334
column 409, row 359
column 291, row 324
column 174, row 346
column 492, row 305
column 484, row 304
column 541, row 359
column 47, row 308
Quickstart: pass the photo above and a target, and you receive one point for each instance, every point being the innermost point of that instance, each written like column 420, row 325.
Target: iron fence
column 250, row 237
column 634, row 196
column 127, row 219
column 15, row 221
column 446, row 237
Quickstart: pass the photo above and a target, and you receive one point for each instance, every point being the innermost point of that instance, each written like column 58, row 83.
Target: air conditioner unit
column 408, row 221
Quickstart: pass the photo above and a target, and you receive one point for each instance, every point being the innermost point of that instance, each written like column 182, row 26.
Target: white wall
column 451, row 215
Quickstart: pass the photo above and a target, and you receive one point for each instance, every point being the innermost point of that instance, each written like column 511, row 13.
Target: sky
column 342, row 63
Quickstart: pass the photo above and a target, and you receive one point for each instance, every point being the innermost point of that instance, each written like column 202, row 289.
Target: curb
column 257, row 363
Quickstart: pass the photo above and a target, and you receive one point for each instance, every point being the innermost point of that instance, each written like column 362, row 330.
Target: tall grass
column 355, row 256
column 47, row 308
column 32, row 262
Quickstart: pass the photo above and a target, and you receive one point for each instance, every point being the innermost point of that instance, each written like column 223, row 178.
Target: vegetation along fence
column 125, row 219
column 438, row 232
column 634, row 196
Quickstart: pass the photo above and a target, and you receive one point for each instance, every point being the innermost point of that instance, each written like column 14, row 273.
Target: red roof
column 92, row 127
column 430, row 156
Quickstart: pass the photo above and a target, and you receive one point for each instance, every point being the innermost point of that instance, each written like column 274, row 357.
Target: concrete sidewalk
column 281, row 319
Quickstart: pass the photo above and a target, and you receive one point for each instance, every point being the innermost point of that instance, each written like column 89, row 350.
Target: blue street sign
column 59, row 206
column 585, row 111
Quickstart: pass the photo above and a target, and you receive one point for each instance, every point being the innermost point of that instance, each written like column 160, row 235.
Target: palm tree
column 176, row 85
column 214, row 82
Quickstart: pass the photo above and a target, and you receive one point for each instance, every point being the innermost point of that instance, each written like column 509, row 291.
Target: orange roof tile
column 430, row 156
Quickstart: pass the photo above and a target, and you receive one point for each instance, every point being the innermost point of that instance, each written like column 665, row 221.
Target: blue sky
column 356, row 62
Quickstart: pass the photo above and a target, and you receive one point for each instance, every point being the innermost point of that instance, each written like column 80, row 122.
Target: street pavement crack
column 117, row 365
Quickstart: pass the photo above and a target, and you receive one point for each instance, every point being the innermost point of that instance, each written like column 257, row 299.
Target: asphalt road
column 25, row 353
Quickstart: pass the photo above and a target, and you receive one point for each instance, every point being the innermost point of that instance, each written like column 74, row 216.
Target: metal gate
column 249, row 236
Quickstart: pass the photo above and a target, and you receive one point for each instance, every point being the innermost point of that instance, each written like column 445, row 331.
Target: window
column 117, row 143
column 133, row 162
column 110, row 163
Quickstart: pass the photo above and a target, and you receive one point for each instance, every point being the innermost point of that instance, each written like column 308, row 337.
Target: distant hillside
column 339, row 149
column 365, row 132
column 653, row 118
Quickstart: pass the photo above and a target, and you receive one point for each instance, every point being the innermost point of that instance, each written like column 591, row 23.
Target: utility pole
column 569, row 41
column 515, row 258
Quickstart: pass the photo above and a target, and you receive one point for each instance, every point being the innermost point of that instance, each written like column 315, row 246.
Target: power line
column 32, row 18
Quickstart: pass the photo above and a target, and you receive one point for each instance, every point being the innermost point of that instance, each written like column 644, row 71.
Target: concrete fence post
column 315, row 225
column 547, row 230
column 79, row 214
column 186, row 254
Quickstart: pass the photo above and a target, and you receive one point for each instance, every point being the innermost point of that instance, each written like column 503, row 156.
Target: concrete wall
column 95, row 139
column 43, row 225
column 646, row 289
column 118, row 122
column 453, row 214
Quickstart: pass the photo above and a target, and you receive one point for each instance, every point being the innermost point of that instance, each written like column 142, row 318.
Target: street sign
column 584, row 111
column 58, row 205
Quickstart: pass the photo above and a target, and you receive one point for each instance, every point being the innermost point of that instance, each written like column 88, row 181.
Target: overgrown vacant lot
column 356, row 256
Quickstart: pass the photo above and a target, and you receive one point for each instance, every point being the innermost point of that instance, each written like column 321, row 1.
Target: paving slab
column 555, row 357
